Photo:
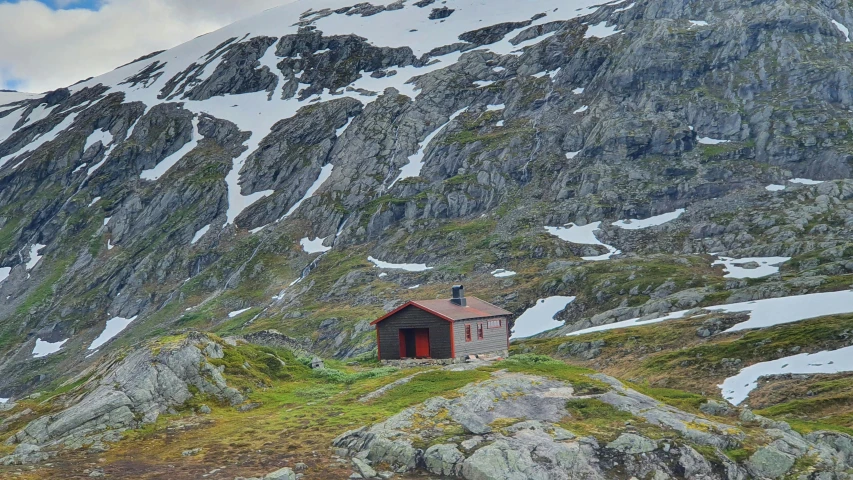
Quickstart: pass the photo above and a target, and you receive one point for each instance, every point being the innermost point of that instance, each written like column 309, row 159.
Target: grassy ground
column 670, row 362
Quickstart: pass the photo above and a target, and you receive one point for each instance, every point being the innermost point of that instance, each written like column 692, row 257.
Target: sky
column 49, row 44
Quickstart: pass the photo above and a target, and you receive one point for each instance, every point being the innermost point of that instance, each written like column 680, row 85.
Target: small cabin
column 451, row 328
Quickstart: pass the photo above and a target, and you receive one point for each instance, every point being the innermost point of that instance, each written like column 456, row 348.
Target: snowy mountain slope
column 178, row 189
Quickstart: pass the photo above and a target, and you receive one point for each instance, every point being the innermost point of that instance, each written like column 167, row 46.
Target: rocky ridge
column 517, row 426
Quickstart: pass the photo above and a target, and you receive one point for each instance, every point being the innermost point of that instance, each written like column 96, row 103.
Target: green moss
column 549, row 367
column 591, row 416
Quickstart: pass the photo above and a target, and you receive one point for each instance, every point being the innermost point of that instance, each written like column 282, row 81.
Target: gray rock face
column 285, row 473
column 534, row 447
column 443, row 459
column 132, row 393
column 633, row 444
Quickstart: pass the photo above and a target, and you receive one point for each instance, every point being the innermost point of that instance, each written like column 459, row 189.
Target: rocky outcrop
column 515, row 427
column 131, row 393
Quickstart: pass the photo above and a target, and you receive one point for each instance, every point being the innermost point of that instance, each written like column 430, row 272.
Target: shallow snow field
column 649, row 222
column 4, row 273
column 711, row 141
column 258, row 112
column 416, row 161
column 114, row 326
column 237, row 313
column 409, row 267
column 540, row 317
column 736, row 389
column 600, row 30
column 844, row 30
column 325, row 173
column 43, row 349
column 161, row 168
column 503, row 273
column 35, row 258
column 584, row 235
column 805, row 181
column 774, row 188
column 103, row 136
column 199, row 234
column 314, row 246
column 735, row 266
column 762, row 313
column 41, row 139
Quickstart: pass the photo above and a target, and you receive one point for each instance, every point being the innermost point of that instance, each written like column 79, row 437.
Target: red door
column 422, row 343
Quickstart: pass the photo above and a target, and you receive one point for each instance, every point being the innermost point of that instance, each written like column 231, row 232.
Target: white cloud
column 43, row 49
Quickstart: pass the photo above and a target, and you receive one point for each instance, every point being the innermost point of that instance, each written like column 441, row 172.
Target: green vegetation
column 590, row 416
column 549, row 367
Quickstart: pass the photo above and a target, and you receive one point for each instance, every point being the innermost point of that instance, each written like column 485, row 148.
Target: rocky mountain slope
column 311, row 168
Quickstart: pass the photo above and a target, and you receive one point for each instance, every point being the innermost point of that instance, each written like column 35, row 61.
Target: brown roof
column 451, row 312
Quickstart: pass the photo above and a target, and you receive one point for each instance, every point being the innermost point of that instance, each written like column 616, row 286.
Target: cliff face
column 184, row 188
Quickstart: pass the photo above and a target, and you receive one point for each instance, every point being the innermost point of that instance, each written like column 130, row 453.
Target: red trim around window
column 467, row 333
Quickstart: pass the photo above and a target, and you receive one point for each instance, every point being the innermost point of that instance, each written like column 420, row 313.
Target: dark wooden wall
column 413, row 317
column 494, row 339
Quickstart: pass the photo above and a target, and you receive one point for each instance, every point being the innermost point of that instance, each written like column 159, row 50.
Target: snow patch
column 325, row 173
column 841, row 28
column 236, row 313
column 649, row 222
column 540, row 317
column 766, row 266
column 571, row 155
column 114, row 326
column 578, row 91
column 483, row 83
column 774, row 188
column 711, row 141
column 805, row 181
column 43, row 349
column 500, row 123
column 625, row 8
column 762, row 313
column 502, row 273
column 409, row 267
column 736, row 389
column 161, row 168
column 34, row 256
column 584, row 235
column 4, row 273
column 200, row 233
column 416, row 161
column 600, row 30
column 102, row 136
column 582, row 109
column 490, row 108
column 94, row 201
column 42, row 139
column 314, row 246
column 698, row 23
column 340, row 131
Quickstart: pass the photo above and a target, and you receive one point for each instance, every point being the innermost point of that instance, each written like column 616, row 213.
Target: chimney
column 459, row 296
